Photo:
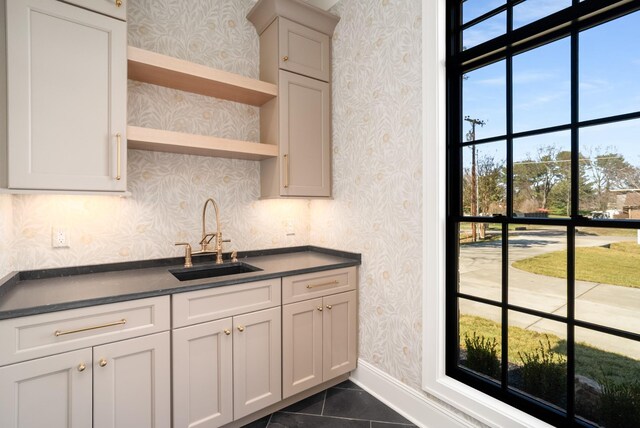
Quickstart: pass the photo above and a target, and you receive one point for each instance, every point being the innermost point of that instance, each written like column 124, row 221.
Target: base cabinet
column 131, row 383
column 119, row 385
column 226, row 369
column 318, row 341
column 48, row 392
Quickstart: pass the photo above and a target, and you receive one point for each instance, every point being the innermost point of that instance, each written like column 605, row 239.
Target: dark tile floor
column 344, row 406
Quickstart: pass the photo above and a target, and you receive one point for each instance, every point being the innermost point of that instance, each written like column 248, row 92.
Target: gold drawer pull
column 95, row 327
column 118, row 3
column 329, row 306
column 240, row 328
column 285, row 58
column 319, row 308
column 81, row 367
column 336, row 282
column 102, row 362
column 227, row 331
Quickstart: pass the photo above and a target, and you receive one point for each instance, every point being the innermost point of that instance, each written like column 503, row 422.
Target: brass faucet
column 205, row 243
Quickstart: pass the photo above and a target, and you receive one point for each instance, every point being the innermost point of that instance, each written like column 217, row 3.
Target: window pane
column 607, row 373
column 542, row 175
column 483, row 182
column 532, row 10
column 542, row 87
column 609, row 68
column 610, row 160
column 484, row 94
column 471, row 9
column 480, row 338
column 484, row 31
column 480, row 262
column 608, row 277
column 537, row 358
column 538, row 268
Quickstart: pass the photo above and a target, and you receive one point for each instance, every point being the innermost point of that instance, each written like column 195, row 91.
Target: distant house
column 628, row 204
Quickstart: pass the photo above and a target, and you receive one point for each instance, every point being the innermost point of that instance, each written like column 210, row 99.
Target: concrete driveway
column 609, row 305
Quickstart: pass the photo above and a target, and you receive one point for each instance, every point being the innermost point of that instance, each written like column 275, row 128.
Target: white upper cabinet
column 303, row 50
column 66, row 98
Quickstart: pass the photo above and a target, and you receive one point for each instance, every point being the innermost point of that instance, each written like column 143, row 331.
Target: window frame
column 437, row 380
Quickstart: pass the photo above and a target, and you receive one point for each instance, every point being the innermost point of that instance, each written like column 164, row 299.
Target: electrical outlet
column 59, row 237
column 289, row 227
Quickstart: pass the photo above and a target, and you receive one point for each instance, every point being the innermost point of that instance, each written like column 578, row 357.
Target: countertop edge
column 13, row 279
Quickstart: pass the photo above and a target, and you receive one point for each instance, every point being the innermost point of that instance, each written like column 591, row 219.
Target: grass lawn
column 618, row 265
column 590, row 362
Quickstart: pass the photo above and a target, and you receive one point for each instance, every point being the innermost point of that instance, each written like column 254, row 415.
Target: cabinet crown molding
column 265, row 11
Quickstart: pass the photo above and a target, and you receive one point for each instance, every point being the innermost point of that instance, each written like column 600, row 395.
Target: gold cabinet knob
column 240, row 328
column 102, row 362
column 118, row 3
column 329, row 306
column 320, row 308
column 81, row 367
column 227, row 331
column 285, row 58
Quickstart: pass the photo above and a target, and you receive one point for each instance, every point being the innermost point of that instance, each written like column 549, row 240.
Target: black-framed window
column 543, row 206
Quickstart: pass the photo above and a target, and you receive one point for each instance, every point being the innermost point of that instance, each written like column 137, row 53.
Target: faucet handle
column 234, row 256
column 187, row 254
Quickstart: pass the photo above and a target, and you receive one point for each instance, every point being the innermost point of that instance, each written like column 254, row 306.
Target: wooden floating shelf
column 150, row 67
column 202, row 145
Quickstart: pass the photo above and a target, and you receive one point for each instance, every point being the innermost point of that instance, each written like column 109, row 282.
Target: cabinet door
column 257, row 374
column 301, row 346
column 53, row 392
column 339, row 334
column 305, row 140
column 132, row 383
column 66, row 71
column 202, row 375
column 303, row 50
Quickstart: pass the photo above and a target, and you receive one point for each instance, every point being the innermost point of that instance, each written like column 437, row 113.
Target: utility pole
column 471, row 136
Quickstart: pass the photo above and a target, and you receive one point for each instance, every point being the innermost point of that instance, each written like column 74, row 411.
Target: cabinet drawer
column 105, row 7
column 35, row 336
column 207, row 305
column 303, row 50
column 308, row 286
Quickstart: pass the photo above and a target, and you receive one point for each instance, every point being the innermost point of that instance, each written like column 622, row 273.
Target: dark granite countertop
column 36, row 292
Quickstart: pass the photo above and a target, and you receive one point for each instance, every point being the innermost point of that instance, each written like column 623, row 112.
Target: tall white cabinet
column 66, row 98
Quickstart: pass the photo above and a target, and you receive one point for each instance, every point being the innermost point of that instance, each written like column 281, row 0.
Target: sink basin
column 188, row 274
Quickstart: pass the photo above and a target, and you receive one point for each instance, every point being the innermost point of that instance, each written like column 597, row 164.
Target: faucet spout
column 207, row 237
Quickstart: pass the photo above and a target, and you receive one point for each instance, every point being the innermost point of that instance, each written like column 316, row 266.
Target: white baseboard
column 404, row 400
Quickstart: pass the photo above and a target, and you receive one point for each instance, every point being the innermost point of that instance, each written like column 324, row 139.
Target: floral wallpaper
column 377, row 179
column 168, row 190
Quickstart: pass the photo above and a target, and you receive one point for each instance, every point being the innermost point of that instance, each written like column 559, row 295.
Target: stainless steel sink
column 212, row 271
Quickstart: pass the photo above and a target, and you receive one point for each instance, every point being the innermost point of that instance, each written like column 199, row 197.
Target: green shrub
column 482, row 355
column 620, row 404
column 544, row 374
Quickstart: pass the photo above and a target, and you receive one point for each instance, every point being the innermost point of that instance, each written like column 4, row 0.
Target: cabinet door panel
column 257, row 381
column 303, row 50
column 133, row 388
column 301, row 346
column 47, row 392
column 202, row 375
column 66, row 69
column 305, row 138
column 340, row 334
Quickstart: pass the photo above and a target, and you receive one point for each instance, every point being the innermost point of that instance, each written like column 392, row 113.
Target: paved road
column 609, row 305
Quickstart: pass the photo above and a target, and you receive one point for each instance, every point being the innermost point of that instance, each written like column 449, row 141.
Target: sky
column 609, row 68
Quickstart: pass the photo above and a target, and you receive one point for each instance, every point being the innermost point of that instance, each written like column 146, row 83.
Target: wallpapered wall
column 377, row 178
column 168, row 190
